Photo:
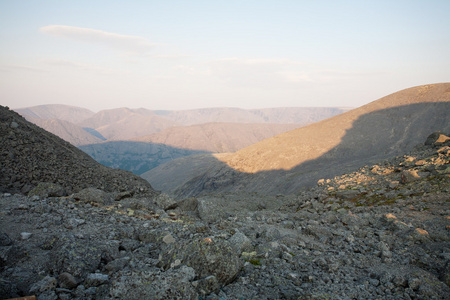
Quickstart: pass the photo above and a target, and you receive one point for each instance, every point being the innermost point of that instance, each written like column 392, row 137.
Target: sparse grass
column 255, row 261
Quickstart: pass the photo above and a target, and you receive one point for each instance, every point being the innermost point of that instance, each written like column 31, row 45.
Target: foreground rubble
column 382, row 232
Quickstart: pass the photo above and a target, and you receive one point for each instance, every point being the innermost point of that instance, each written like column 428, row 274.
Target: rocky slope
column 30, row 156
column 289, row 161
column 379, row 233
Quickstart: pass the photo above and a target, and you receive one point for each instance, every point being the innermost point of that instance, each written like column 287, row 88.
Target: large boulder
column 172, row 284
column 93, row 195
column 48, row 189
column 75, row 256
column 436, row 138
column 207, row 256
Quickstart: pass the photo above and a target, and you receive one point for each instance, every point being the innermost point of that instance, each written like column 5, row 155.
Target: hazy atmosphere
column 193, row 54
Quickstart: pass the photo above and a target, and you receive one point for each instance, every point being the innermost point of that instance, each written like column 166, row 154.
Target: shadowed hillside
column 137, row 157
column 287, row 162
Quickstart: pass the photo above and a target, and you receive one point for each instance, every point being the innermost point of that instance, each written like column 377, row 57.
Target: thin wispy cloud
column 76, row 65
column 274, row 62
column 10, row 68
column 170, row 56
column 266, row 73
column 131, row 44
column 271, row 73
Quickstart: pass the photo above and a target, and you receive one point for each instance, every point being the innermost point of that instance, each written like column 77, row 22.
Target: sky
column 211, row 53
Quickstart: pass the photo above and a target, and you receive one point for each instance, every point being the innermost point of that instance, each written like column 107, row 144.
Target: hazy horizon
column 183, row 109
column 180, row 55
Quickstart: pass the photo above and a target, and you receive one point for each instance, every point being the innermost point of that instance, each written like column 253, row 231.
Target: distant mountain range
column 149, row 138
column 290, row 161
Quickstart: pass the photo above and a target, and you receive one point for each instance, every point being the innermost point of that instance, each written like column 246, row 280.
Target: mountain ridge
column 285, row 163
column 317, row 131
column 64, row 112
column 66, row 130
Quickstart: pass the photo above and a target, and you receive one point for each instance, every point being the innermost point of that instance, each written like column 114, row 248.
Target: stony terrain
column 379, row 233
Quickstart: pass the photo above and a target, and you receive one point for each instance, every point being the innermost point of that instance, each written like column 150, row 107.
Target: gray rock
column 25, row 235
column 165, row 201
column 93, row 195
column 74, row 223
column 207, row 285
column 172, row 284
column 188, row 205
column 207, row 257
column 96, row 279
column 48, row 295
column 151, row 236
column 241, row 243
column 117, row 264
column 348, row 194
column 169, row 239
column 436, row 138
column 123, row 195
column 5, row 240
column 46, row 284
column 414, row 283
column 409, row 176
column 74, row 256
column 48, row 189
column 67, row 281
column 211, row 209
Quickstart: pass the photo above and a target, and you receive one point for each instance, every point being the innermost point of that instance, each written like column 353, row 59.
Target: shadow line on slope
column 372, row 137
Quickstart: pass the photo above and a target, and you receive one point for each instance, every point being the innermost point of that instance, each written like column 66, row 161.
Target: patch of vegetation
column 255, row 261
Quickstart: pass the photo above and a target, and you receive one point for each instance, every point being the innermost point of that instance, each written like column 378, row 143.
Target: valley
column 139, row 140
